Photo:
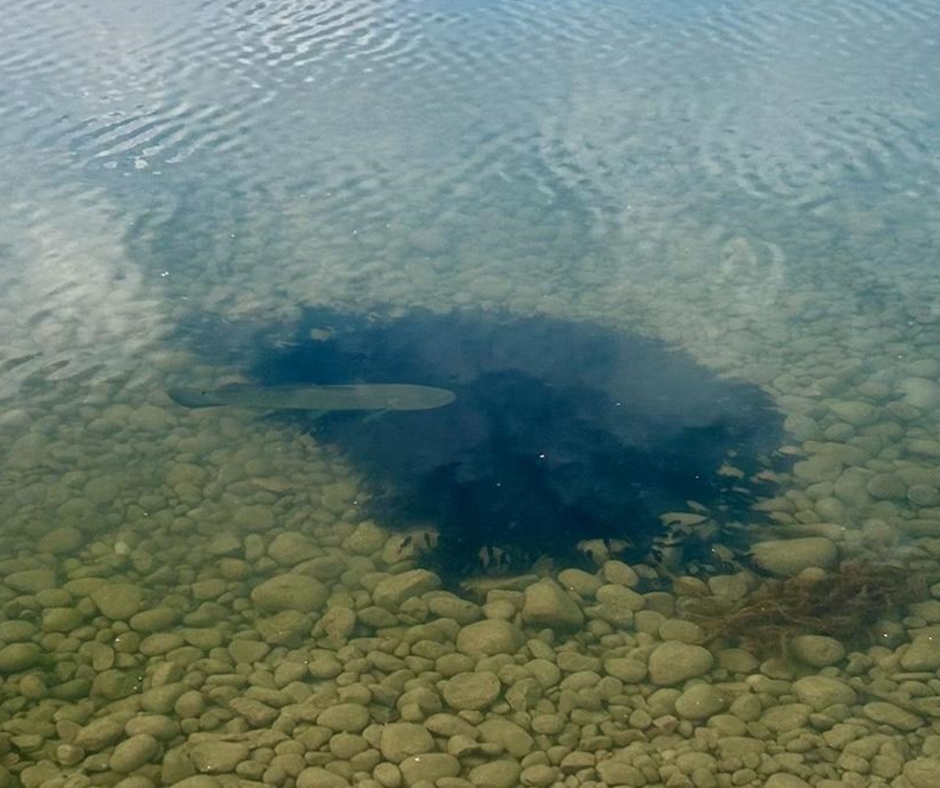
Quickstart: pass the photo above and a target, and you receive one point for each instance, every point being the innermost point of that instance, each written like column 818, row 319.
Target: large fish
column 363, row 396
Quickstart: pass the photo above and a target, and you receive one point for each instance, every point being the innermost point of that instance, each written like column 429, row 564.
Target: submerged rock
column 789, row 557
column 548, row 604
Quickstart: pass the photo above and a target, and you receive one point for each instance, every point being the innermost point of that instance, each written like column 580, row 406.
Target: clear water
column 754, row 181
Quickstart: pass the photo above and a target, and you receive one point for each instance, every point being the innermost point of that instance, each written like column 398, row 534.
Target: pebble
column 821, row 692
column 677, row 629
column 631, row 671
column 161, row 699
column 344, row 717
column 249, row 651
column 471, row 691
column 820, row 468
column 817, row 650
column 430, row 767
column 924, row 447
column 366, row 539
column 290, row 592
column 922, row 772
column 133, row 752
column 387, row 775
column 700, row 701
column 61, row 619
column 547, row 604
column 619, row 573
column 137, row 781
column 490, row 637
column 922, row 654
column 782, row 780
column 616, row 772
column 502, row 773
column 786, row 717
column 929, row 610
column 30, row 581
column 673, row 662
column 400, row 740
column 290, row 548
column 789, row 557
column 889, row 714
column 540, row 775
column 391, row 592
column 157, row 725
column 100, row 733
column 887, row 486
column 118, row 601
column 61, row 541
column 921, row 393
column 19, row 656
column 215, row 756
column 858, row 414
column 318, row 777
column 255, row 519
column 506, row 733
column 923, row 495
column 582, row 583
column 254, row 712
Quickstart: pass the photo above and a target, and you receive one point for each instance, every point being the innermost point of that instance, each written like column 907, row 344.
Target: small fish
column 363, row 396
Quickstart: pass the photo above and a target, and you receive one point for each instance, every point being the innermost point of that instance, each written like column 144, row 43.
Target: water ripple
column 318, row 129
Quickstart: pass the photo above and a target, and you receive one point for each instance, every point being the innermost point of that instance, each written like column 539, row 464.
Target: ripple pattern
column 340, row 135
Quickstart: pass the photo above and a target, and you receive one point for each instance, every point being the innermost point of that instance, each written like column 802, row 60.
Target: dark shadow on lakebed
column 560, row 431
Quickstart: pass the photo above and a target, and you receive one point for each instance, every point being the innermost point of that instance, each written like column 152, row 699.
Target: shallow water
column 754, row 182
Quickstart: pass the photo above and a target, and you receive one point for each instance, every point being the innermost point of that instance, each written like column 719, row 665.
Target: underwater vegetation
column 560, row 431
column 843, row 603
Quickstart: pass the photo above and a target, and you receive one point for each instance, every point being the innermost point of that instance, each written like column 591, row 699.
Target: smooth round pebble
column 700, row 701
column 430, row 767
column 923, row 772
column 19, row 656
column 344, row 717
column 218, row 757
column 889, row 714
column 134, row 752
column 673, row 662
column 781, row 780
column 403, row 739
column 118, row 601
column 503, row 773
column 198, row 781
column 818, row 651
column 290, row 591
column 789, row 557
column 820, row 692
column 471, row 691
column 490, row 637
column 922, row 654
column 318, row 777
column 540, row 775
column 391, row 592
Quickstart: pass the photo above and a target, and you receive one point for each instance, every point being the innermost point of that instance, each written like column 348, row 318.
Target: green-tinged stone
column 30, row 581
column 290, row 591
column 118, row 601
column 19, row 656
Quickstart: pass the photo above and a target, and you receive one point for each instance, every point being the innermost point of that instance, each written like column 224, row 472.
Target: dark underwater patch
column 561, row 431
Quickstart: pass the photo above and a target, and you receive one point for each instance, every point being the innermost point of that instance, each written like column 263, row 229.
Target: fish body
column 363, row 396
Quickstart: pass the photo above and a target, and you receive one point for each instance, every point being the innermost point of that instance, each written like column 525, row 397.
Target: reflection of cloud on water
column 70, row 302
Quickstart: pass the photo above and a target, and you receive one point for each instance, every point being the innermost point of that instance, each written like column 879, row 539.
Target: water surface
column 753, row 182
